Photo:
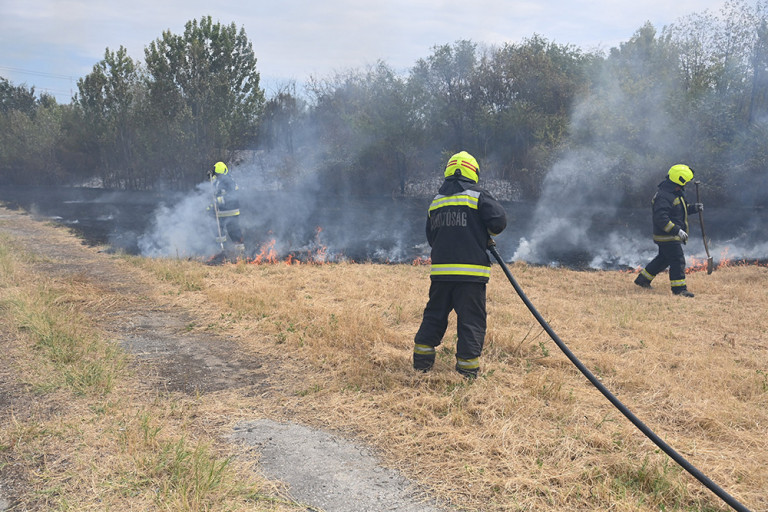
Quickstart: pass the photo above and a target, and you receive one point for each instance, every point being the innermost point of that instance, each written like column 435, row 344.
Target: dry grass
column 530, row 434
column 82, row 432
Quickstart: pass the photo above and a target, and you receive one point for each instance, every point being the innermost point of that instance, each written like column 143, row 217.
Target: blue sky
column 50, row 44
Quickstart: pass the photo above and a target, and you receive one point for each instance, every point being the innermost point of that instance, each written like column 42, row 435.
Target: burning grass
column 530, row 433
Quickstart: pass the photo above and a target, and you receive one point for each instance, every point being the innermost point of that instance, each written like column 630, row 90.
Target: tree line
column 694, row 92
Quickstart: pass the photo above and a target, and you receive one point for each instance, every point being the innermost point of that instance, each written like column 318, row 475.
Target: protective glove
column 683, row 236
column 220, row 200
column 699, row 207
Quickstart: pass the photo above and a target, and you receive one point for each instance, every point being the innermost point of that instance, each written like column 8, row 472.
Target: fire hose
column 727, row 498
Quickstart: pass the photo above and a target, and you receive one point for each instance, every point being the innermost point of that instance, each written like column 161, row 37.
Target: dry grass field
column 531, row 433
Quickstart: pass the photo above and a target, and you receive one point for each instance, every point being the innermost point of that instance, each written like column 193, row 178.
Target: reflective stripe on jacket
column 229, row 213
column 461, row 218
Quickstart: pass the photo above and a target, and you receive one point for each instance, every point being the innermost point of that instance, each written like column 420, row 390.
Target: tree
column 388, row 121
column 204, row 92
column 528, row 91
column 449, row 101
column 285, row 138
column 628, row 117
column 367, row 125
column 19, row 98
column 30, row 132
column 694, row 36
column 107, row 101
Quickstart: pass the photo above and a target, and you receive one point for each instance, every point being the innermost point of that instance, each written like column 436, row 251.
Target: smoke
column 622, row 145
column 302, row 219
column 184, row 229
column 593, row 211
column 574, row 198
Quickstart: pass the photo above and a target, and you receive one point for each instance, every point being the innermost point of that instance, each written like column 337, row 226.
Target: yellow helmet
column 464, row 164
column 680, row 174
column 220, row 168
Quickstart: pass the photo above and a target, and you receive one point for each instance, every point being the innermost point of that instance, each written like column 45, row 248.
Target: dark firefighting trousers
column 670, row 255
column 468, row 300
column 232, row 226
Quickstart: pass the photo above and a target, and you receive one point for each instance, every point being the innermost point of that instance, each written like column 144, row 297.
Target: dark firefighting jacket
column 670, row 212
column 461, row 219
column 225, row 195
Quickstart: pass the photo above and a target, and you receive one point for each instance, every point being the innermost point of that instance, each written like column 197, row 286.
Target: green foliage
column 107, row 103
column 204, row 95
column 17, row 98
column 371, row 118
column 78, row 360
column 449, row 96
column 30, row 133
column 695, row 92
column 529, row 90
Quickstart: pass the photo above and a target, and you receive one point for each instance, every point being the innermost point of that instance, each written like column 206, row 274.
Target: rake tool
column 710, row 263
column 220, row 239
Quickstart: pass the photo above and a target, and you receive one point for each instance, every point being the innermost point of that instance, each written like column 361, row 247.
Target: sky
column 50, row 44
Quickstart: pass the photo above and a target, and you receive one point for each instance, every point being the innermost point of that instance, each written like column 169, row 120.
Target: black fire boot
column 423, row 357
column 683, row 293
column 642, row 281
column 467, row 367
column 467, row 374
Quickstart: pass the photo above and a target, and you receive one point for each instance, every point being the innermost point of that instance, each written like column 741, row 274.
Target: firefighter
column 461, row 219
column 227, row 206
column 670, row 230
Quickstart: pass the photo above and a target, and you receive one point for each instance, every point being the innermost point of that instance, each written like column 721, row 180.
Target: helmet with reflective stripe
column 680, row 174
column 220, row 168
column 464, row 164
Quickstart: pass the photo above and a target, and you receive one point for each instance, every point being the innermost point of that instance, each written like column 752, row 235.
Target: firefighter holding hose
column 670, row 230
column 227, row 205
column 461, row 219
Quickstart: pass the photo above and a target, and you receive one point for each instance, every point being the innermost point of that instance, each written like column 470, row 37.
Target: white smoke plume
column 302, row 220
column 582, row 218
column 185, row 229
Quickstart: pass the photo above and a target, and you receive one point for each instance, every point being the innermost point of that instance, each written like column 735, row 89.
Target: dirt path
column 321, row 470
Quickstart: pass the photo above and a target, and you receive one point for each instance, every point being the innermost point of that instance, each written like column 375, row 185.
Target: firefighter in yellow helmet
column 461, row 219
column 227, row 208
column 670, row 230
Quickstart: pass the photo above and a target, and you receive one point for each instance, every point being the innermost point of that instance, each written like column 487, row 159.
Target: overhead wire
column 37, row 73
column 43, row 74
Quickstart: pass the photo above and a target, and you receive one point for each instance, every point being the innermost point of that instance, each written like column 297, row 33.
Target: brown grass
column 530, row 434
column 79, row 431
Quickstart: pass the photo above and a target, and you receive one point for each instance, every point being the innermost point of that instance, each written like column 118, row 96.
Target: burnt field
column 380, row 230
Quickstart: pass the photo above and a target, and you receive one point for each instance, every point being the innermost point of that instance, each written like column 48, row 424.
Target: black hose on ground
column 701, row 477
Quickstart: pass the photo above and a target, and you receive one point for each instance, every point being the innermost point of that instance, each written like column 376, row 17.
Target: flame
column 320, row 254
column 699, row 264
column 317, row 254
column 696, row 265
column 422, row 261
column 267, row 254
